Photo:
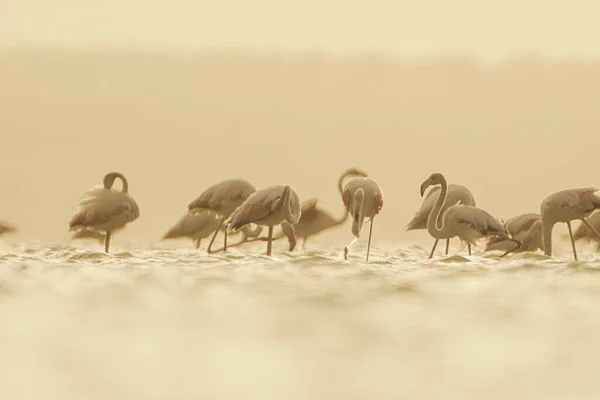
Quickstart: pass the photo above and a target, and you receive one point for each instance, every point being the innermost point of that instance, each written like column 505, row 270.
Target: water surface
column 175, row 323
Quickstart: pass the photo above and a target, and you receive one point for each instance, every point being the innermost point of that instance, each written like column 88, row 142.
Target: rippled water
column 179, row 324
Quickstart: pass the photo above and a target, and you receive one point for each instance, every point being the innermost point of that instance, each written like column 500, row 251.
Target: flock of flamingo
column 232, row 206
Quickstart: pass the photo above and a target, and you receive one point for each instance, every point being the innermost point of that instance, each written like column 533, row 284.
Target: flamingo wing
column 257, row 206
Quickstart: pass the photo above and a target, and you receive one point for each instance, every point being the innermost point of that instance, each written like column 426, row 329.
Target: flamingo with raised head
column 314, row 220
column 362, row 198
column 566, row 206
column 457, row 194
column 527, row 228
column 275, row 205
column 105, row 209
column 201, row 225
column 222, row 198
column 465, row 222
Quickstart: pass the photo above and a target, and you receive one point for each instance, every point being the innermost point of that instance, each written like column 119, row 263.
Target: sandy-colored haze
column 513, row 131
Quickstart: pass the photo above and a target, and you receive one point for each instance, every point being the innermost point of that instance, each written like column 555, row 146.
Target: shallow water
column 175, row 323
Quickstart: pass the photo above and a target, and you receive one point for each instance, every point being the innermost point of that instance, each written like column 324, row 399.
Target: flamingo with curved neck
column 467, row 222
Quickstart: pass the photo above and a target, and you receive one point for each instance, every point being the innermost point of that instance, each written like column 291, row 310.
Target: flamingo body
column 566, row 206
column 105, row 209
column 275, row 205
column 362, row 198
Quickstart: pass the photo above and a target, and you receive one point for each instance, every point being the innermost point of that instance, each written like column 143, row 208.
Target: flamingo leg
column 242, row 241
column 469, row 246
column 197, row 243
column 348, row 247
column 447, row 245
column 209, row 251
column 369, row 242
column 517, row 246
column 107, row 242
column 591, row 227
column 270, row 242
column 304, row 243
column 434, row 246
column 572, row 240
column 225, row 242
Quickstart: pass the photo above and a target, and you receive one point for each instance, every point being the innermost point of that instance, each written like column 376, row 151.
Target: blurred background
column 501, row 97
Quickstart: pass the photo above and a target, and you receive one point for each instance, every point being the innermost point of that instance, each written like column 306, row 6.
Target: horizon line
column 235, row 50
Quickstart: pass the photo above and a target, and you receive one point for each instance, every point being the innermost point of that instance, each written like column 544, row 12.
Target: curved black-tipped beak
column 424, row 187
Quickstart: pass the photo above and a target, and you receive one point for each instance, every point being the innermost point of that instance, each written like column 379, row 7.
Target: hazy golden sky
column 488, row 29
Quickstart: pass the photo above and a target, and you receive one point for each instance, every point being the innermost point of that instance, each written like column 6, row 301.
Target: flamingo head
column 434, row 179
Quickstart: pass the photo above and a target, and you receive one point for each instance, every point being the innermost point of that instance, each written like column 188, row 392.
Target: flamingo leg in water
column 197, row 243
column 304, row 243
column 434, row 246
column 261, row 239
column 225, row 242
column 209, row 251
column 572, row 240
column 106, row 242
column 469, row 246
column 369, row 242
column 348, row 247
column 270, row 242
column 447, row 245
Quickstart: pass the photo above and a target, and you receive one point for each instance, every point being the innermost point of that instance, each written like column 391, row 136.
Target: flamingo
column 583, row 232
column 362, row 198
column 6, row 228
column 527, row 228
column 201, row 225
column 275, row 205
column 566, row 206
column 467, row 222
column 457, row 194
column 222, row 198
column 314, row 220
column 106, row 210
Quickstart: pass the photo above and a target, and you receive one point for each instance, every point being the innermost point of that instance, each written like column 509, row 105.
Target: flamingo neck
column 547, row 226
column 434, row 219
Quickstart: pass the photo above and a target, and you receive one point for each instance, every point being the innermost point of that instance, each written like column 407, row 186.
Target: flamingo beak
column 424, row 187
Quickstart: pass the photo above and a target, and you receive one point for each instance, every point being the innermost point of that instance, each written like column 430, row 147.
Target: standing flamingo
column 362, row 198
column 201, row 225
column 566, row 206
column 314, row 220
column 6, row 228
column 272, row 206
column 106, row 210
column 467, row 222
column 457, row 194
column 526, row 228
column 222, row 198
column 583, row 232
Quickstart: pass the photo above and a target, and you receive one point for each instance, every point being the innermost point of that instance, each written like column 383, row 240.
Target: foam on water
column 170, row 323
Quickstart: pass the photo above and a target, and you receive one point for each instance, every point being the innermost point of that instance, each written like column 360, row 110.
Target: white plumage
column 457, row 194
column 566, row 206
column 222, row 198
column 105, row 209
column 362, row 198
column 465, row 222
column 202, row 224
column 526, row 228
column 275, row 205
